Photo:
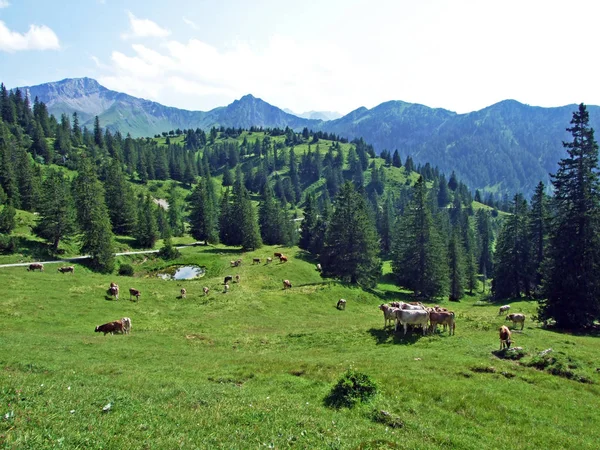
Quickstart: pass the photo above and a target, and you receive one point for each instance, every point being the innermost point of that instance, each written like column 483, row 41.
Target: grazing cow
column 113, row 290
column 35, row 266
column 183, row 293
column 134, row 292
column 396, row 304
column 255, row 260
column 277, row 255
column 287, row 284
column 225, row 288
column 205, row 289
column 227, row 279
column 389, row 314
column 110, row 327
column 503, row 309
column 233, row 263
column 269, row 260
column 237, row 278
column 319, row 268
column 516, row 318
column 407, row 317
column 283, row 259
column 126, row 324
column 341, row 304
column 504, row 337
column 67, row 269
column 443, row 318
column 412, row 306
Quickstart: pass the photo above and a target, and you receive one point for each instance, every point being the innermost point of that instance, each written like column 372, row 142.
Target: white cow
column 503, row 309
column 389, row 314
column 407, row 317
column 126, row 324
column 517, row 318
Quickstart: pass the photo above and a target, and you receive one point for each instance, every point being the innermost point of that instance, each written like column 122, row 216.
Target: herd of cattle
column 413, row 314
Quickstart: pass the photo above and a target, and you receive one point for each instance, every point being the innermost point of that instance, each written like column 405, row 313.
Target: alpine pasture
column 250, row 368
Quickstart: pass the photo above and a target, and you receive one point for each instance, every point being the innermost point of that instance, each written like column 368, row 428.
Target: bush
column 8, row 244
column 168, row 251
column 352, row 388
column 126, row 270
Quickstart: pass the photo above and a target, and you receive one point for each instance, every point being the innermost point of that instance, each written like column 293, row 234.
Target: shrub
column 8, row 244
column 126, row 270
column 168, row 251
column 353, row 387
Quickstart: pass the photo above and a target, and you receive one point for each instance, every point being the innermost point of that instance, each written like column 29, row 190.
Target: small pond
column 181, row 273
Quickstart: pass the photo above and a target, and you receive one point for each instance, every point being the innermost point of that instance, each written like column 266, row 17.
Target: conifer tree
column 93, row 218
column 7, row 219
column 351, row 245
column 456, row 264
column 511, row 267
column 484, row 238
column 146, row 231
column 270, row 218
column 396, row 161
column 572, row 276
column 419, row 257
column 246, row 223
column 121, row 198
column 56, row 210
column 98, row 139
column 538, row 223
column 203, row 213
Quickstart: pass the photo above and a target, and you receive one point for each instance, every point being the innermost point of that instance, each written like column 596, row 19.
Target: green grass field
column 250, row 368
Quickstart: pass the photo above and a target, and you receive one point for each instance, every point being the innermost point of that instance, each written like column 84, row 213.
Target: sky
column 310, row 55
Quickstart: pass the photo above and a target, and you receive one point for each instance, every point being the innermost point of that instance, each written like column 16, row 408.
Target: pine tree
column 351, row 245
column 511, row 267
column 456, row 264
column 57, row 211
column 396, row 161
column 484, row 239
column 270, row 218
column 246, row 221
column 203, row 213
column 538, row 222
column 98, row 139
column 419, row 257
column 121, row 200
column 572, row 277
column 146, row 232
column 93, row 218
column 7, row 219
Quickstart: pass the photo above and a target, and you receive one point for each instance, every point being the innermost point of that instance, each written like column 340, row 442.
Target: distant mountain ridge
column 316, row 115
column 504, row 148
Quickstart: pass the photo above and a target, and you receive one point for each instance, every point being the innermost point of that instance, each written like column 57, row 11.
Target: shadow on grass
column 593, row 331
column 36, row 250
column 382, row 336
column 306, row 257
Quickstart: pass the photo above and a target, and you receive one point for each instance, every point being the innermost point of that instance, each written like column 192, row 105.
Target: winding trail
column 79, row 258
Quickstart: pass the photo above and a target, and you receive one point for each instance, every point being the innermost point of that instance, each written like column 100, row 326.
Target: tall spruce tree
column 538, row 222
column 511, row 267
column 456, row 265
column 93, row 218
column 57, row 211
column 572, row 276
column 351, row 244
column 121, row 200
column 204, row 224
column 419, row 256
column 146, row 231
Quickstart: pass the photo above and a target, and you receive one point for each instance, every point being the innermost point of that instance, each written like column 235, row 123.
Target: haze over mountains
column 504, row 148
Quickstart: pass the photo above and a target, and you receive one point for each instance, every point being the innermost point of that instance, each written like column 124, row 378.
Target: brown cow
column 504, row 337
column 67, row 269
column 227, row 279
column 277, row 255
column 134, row 292
column 237, row 278
column 444, row 318
column 110, row 327
column 283, row 259
column 35, row 266
column 183, row 292
column 287, row 284
column 255, row 260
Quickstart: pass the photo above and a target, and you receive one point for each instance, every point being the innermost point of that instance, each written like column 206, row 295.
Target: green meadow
column 250, row 368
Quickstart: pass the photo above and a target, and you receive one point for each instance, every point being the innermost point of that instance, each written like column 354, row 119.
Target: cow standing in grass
column 504, row 337
column 183, row 293
column 113, row 290
column 134, row 293
column 35, row 266
column 67, row 269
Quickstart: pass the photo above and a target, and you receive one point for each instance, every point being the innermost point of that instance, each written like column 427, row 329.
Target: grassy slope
column 252, row 366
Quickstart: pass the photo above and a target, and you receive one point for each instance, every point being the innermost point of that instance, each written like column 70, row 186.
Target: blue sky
column 334, row 55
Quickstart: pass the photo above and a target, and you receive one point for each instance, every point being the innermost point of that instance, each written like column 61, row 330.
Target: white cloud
column 140, row 28
column 36, row 38
column 4, row 4
column 189, row 22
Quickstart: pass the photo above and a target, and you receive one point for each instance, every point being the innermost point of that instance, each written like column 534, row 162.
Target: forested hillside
column 502, row 149
column 335, row 199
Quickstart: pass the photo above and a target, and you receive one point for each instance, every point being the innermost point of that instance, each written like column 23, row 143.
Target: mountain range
column 504, row 148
